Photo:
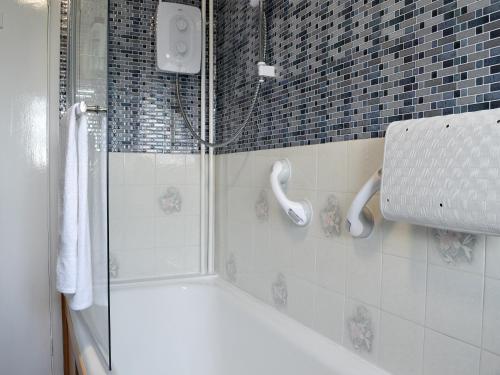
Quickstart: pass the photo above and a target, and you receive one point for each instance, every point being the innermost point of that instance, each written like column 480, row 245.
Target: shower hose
column 237, row 133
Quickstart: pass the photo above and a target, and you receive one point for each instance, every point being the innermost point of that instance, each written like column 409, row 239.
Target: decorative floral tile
column 114, row 267
column 360, row 330
column 330, row 217
column 171, row 201
column 454, row 247
column 231, row 269
column 279, row 291
column 262, row 207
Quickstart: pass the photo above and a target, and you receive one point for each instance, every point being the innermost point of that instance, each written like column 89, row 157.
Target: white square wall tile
column 304, row 258
column 240, row 245
column 139, row 200
column 329, row 314
column 117, row 202
column 116, row 168
column 170, row 169
column 239, row 169
column 332, row 167
column 139, row 169
column 300, row 300
column 365, row 157
column 262, row 164
column 331, row 265
column 193, row 169
column 455, row 303
column 117, row 231
column 404, row 287
column 261, row 250
column 361, row 329
column 139, row 233
column 491, row 324
column 169, row 231
column 401, row 345
column 493, row 257
column 490, row 363
column 457, row 250
column 331, row 205
column 446, row 356
column 303, row 164
column 136, row 264
column 405, row 240
column 364, row 268
column 192, row 227
column 241, row 203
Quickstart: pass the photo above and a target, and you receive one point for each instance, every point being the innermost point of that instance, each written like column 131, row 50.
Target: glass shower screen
column 87, row 82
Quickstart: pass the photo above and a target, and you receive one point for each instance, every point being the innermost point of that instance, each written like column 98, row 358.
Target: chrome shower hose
column 237, row 133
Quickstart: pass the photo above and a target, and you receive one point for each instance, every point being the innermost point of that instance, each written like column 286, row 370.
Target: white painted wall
column 25, row 345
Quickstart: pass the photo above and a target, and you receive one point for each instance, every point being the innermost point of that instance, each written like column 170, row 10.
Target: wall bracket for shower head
column 265, row 71
column 299, row 212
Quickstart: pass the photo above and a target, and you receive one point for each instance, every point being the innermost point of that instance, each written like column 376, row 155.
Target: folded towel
column 83, row 296
column 68, row 234
column 74, row 265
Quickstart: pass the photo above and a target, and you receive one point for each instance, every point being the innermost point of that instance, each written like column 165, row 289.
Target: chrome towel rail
column 84, row 108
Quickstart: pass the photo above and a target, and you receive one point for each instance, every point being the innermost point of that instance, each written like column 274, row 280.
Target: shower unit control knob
column 181, row 24
column 181, row 47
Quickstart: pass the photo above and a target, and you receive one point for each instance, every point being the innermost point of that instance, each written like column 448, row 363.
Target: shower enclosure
column 150, row 195
column 85, row 59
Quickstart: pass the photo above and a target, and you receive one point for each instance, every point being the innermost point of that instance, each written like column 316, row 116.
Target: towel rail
column 84, row 108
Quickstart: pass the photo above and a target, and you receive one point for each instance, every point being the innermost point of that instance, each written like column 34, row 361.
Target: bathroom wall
column 412, row 300
column 346, row 69
column 143, row 114
column 25, row 287
column 154, row 215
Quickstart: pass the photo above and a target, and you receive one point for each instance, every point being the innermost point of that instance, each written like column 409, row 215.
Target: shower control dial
column 181, row 48
column 181, row 24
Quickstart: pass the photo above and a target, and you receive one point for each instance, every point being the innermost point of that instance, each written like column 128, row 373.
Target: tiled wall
column 143, row 114
column 154, row 215
column 63, row 57
column 346, row 69
column 410, row 299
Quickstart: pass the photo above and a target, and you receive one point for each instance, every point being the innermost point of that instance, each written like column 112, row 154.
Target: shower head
column 254, row 3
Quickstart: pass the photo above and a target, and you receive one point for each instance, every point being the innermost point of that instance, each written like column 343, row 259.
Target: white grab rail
column 299, row 212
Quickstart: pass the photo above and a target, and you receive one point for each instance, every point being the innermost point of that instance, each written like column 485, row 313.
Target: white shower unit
column 178, row 38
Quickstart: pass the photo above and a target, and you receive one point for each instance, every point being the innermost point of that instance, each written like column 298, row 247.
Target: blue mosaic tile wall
column 348, row 68
column 143, row 114
column 63, row 56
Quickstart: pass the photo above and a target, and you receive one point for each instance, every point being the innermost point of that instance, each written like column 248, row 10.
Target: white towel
column 68, row 234
column 74, row 265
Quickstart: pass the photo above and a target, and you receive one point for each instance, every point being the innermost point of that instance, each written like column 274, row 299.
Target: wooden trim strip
column 73, row 359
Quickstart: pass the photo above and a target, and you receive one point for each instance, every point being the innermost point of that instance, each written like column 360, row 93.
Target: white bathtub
column 205, row 326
